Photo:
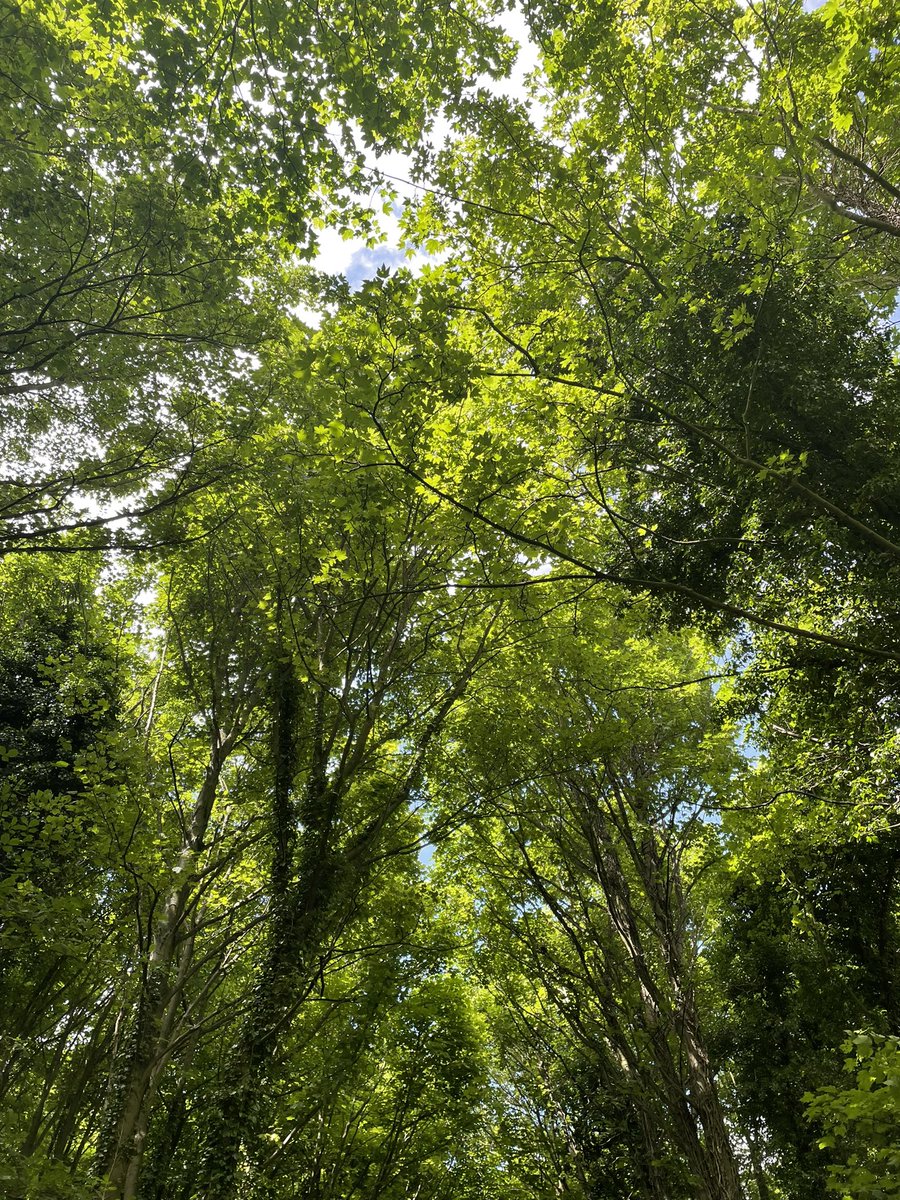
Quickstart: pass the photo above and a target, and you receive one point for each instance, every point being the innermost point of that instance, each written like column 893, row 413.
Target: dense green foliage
column 448, row 750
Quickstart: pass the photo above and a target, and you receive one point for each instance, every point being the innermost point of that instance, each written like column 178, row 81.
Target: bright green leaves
column 167, row 167
column 610, row 743
column 431, row 548
column 862, row 1122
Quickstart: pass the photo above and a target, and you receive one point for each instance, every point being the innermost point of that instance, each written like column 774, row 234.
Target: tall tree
column 597, row 793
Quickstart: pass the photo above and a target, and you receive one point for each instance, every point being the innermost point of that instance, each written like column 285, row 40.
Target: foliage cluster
column 450, row 751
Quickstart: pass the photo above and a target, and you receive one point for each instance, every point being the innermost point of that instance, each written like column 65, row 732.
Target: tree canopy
column 449, row 719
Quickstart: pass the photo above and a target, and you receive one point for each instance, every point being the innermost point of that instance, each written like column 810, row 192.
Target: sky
column 352, row 258
column 358, row 262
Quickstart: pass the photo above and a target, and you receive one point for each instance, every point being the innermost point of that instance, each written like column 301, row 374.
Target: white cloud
column 351, row 257
column 336, row 252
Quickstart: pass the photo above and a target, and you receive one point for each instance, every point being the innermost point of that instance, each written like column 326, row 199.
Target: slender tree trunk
column 127, row 1119
column 297, row 909
column 669, row 1014
column 311, row 884
column 79, row 1094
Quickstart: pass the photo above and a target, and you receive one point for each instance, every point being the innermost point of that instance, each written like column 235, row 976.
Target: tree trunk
column 698, row 1123
column 297, row 913
column 128, row 1114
